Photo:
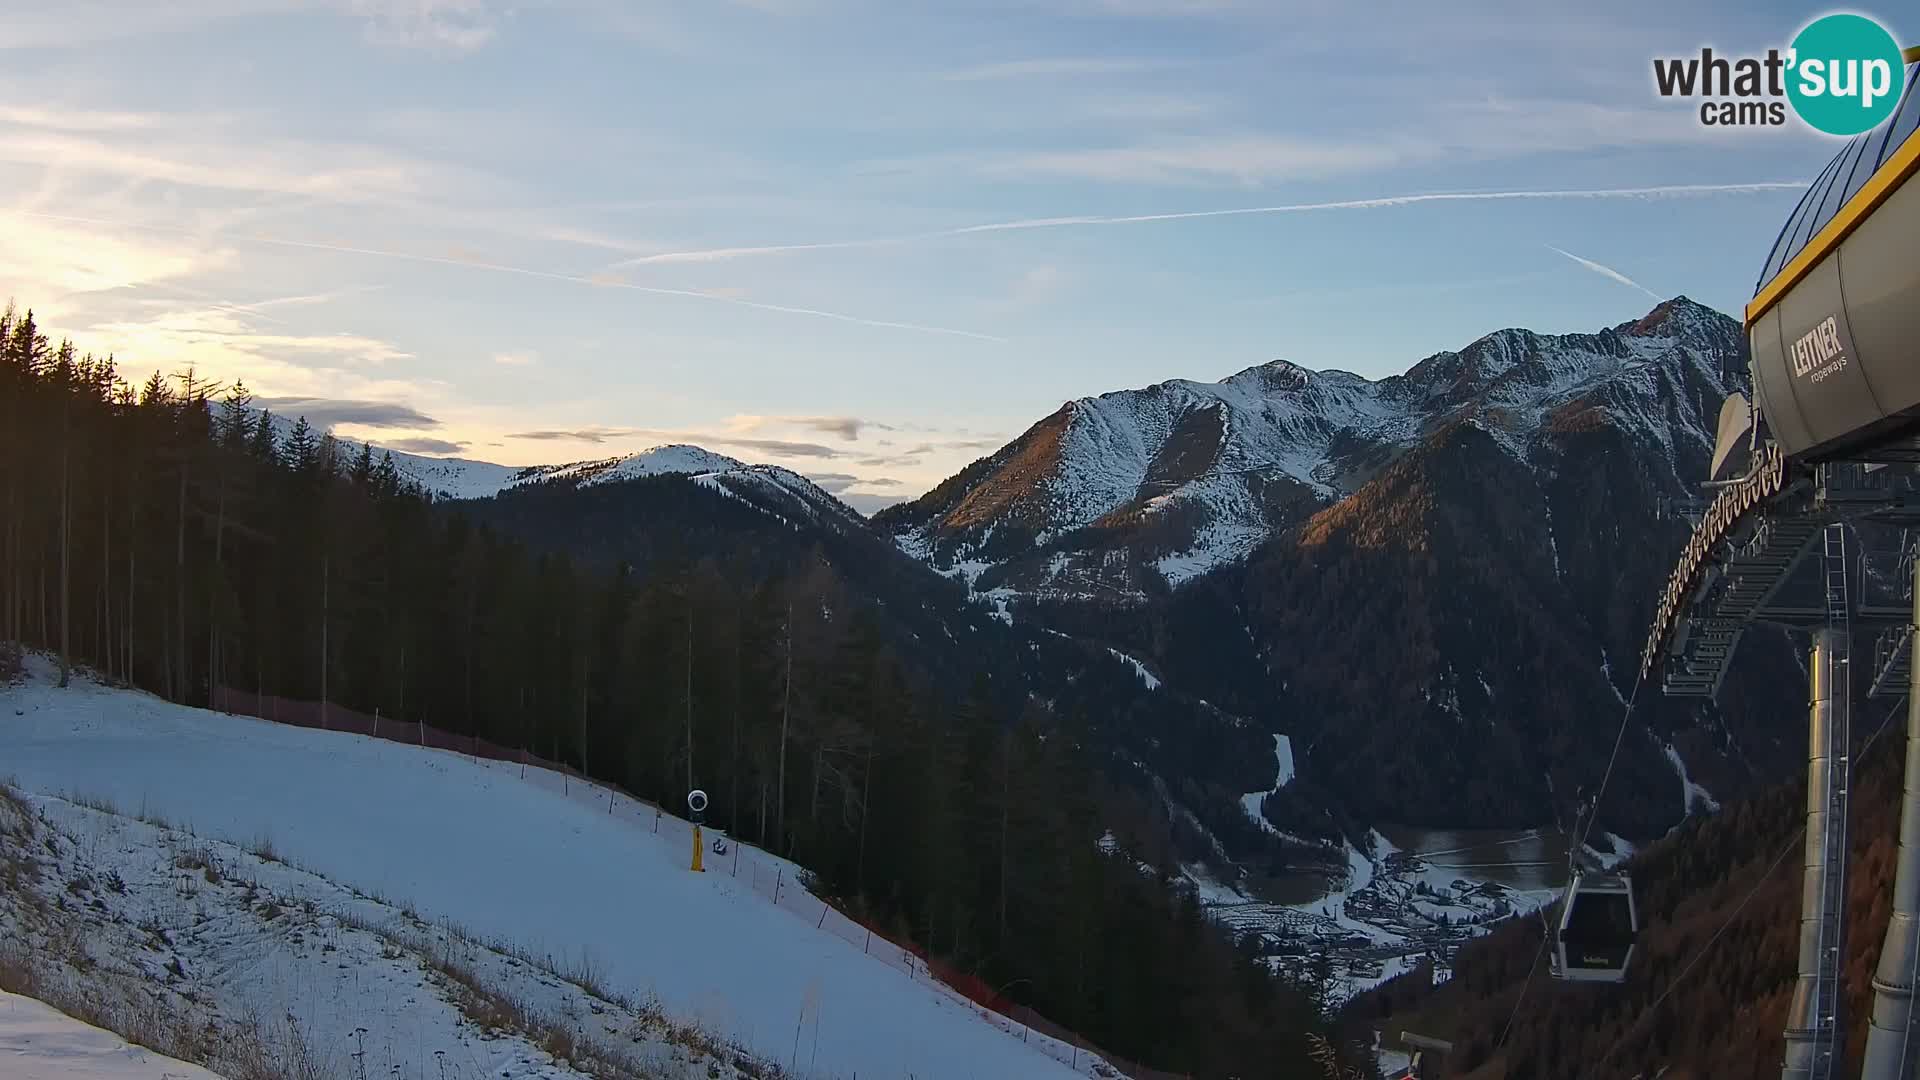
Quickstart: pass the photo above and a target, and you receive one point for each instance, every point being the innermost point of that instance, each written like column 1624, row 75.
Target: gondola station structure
column 1814, row 525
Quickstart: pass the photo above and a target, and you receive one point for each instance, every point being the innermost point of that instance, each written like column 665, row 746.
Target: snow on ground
column 38, row 1042
column 1283, row 775
column 1216, row 545
column 574, row 876
column 182, row 935
column 1283, row 760
column 1393, row 1063
column 1620, row 851
column 1209, row 889
column 1691, row 794
column 1138, row 667
column 460, row 478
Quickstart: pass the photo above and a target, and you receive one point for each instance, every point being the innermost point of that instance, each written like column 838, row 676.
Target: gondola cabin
column 1598, row 927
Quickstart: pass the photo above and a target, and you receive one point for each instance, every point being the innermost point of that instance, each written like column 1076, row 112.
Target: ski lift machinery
column 1830, row 446
column 1832, row 330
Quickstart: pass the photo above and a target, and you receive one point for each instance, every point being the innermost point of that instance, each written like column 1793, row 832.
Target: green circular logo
column 1845, row 75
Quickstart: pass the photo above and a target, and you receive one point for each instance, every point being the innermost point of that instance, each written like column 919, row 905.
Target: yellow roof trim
column 1911, row 56
column 1887, row 180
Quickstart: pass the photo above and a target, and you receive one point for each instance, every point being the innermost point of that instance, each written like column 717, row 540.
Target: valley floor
column 1387, row 913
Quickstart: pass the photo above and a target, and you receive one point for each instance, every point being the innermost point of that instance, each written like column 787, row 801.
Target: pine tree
column 301, row 453
column 236, row 425
column 363, row 466
column 326, row 458
column 261, row 446
column 386, row 478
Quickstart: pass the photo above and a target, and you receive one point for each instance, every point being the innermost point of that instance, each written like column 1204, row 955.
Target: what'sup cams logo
column 1842, row 75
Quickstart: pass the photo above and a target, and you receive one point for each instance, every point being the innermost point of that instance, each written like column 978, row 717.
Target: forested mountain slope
column 844, row 710
column 1436, row 584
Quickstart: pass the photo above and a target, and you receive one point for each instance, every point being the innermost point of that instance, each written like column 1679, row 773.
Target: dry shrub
column 281, row 1051
column 16, row 814
column 201, row 859
column 264, row 850
column 97, row 803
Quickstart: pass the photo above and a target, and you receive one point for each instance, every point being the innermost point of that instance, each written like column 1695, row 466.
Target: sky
column 870, row 240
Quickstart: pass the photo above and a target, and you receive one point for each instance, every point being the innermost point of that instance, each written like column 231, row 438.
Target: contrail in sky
column 598, row 282
column 1019, row 225
column 1606, row 271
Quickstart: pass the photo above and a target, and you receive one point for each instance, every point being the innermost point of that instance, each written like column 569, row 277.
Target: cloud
column 1038, row 284
column 956, row 444
column 54, row 24
column 834, row 483
column 449, row 25
column 516, row 359
column 425, row 446
column 779, row 448
column 1664, row 191
column 1050, row 67
column 870, row 504
column 1607, row 272
column 598, row 435
column 199, row 151
column 332, row 412
column 841, row 486
column 606, row 277
column 596, row 281
column 65, row 260
column 73, row 119
column 846, row 427
column 594, row 435
column 1159, row 9
column 1243, row 160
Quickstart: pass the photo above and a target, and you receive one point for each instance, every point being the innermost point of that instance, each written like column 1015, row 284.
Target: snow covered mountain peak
column 461, row 478
column 1185, row 476
column 656, row 461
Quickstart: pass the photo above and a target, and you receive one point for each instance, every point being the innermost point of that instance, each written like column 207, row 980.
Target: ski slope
column 38, row 1042
column 513, row 860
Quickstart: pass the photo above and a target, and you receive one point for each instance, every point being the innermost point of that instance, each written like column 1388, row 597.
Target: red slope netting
column 1016, row 1020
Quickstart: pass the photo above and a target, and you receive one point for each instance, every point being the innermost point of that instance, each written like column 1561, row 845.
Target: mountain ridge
column 1426, row 581
column 1200, row 474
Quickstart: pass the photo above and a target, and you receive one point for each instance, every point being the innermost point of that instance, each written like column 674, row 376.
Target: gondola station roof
column 1835, row 316
column 1840, row 181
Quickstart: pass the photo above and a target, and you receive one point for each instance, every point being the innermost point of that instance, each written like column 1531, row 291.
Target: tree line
column 168, row 535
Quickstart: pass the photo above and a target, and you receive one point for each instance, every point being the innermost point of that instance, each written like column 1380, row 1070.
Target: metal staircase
column 1752, row 574
column 1893, row 649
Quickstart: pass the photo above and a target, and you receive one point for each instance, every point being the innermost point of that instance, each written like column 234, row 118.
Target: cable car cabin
column 1598, row 925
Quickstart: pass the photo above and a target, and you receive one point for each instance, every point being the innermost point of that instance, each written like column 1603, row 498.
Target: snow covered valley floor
column 245, row 895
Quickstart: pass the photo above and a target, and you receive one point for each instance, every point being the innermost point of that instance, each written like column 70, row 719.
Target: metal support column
column 1814, row 1034
column 1889, row 1053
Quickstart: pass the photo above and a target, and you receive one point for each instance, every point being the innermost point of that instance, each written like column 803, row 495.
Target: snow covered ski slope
column 38, row 1042
column 560, row 874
